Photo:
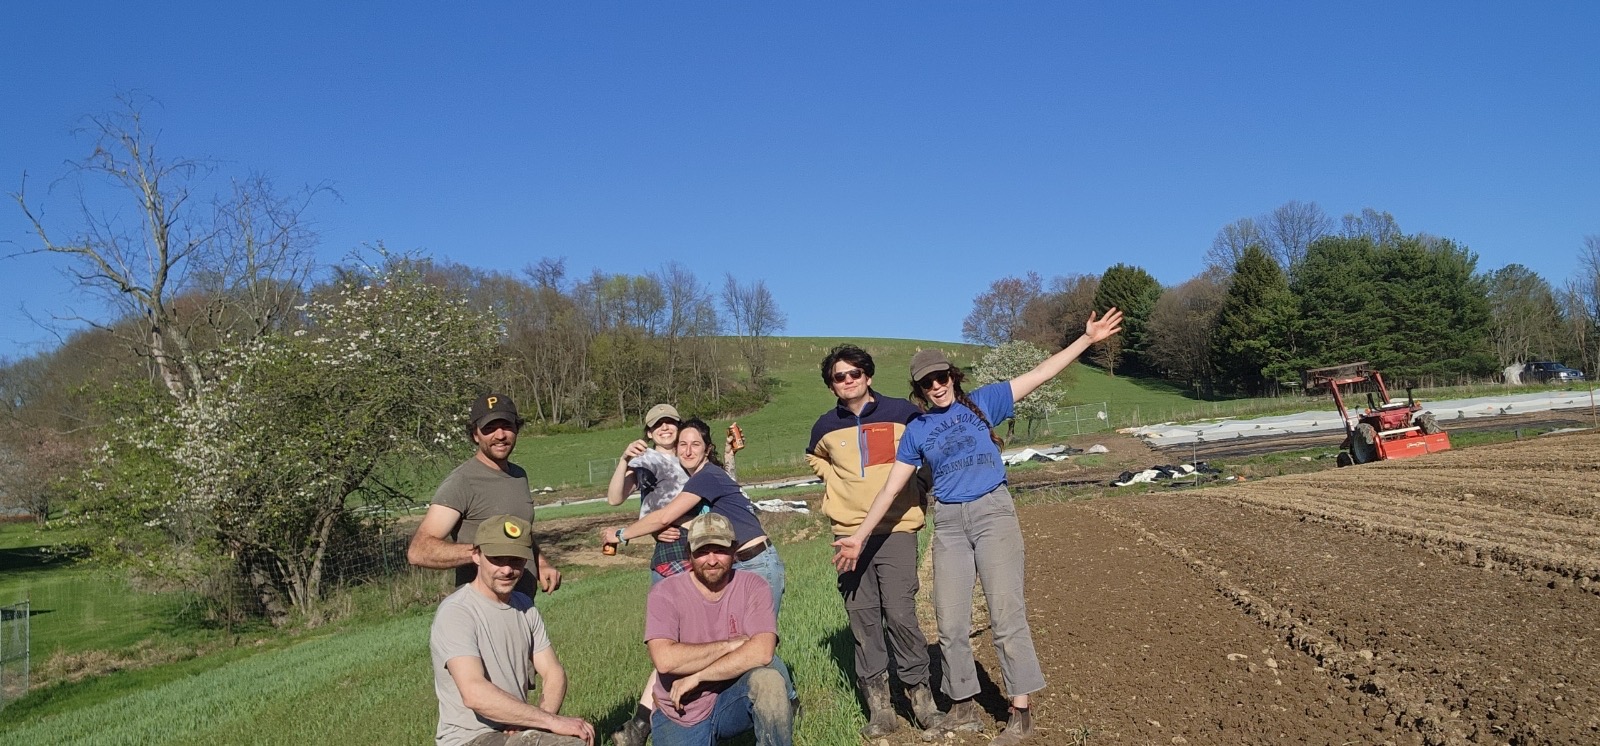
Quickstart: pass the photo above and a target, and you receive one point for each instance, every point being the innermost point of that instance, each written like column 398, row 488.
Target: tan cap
column 658, row 413
column 928, row 361
column 505, row 536
column 709, row 529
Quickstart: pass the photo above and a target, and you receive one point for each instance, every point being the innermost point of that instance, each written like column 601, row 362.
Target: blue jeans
column 757, row 701
column 770, row 567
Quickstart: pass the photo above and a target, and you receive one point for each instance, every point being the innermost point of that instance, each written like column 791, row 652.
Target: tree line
column 1294, row 289
column 239, row 405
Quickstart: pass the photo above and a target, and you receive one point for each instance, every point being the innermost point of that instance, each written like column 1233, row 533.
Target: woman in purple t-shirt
column 975, row 529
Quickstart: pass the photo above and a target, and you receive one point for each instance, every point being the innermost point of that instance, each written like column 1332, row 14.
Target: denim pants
column 982, row 539
column 770, row 567
column 757, row 701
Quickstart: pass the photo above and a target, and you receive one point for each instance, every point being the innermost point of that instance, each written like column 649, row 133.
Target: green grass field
column 370, row 683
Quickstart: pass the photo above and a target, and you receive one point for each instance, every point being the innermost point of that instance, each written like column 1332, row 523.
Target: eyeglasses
column 938, row 377
column 854, row 374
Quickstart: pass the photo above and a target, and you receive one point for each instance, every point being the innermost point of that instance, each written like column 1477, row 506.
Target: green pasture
column 371, row 683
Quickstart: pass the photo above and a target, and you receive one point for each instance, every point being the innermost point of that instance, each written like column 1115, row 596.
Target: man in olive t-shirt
column 487, row 484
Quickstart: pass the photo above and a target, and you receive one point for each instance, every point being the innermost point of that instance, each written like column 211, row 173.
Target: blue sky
column 878, row 164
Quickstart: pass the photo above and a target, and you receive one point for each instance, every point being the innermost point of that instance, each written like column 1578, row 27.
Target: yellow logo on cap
column 493, row 400
column 513, row 530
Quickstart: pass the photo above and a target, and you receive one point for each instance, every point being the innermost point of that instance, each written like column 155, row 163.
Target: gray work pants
column 982, row 539
column 880, row 599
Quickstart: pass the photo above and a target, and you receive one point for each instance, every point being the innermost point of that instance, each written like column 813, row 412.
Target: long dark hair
column 956, row 377
column 695, row 423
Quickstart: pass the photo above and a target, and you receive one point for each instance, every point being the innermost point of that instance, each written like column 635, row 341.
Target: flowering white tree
column 269, row 457
column 1012, row 359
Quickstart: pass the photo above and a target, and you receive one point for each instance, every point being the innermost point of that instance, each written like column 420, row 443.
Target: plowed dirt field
column 1450, row 599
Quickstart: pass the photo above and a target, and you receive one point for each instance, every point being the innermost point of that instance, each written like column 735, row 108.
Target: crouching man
column 713, row 638
column 484, row 638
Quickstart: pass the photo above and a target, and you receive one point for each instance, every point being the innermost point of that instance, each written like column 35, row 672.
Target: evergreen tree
column 1413, row 307
column 1135, row 292
column 1252, row 343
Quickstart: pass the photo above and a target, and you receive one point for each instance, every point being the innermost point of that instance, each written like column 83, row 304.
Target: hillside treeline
column 1294, row 289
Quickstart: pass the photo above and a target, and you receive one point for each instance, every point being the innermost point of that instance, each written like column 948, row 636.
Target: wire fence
column 1077, row 419
column 15, row 642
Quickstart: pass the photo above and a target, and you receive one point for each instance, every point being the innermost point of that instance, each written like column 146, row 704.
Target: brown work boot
column 923, row 707
column 881, row 720
column 635, row 732
column 963, row 716
column 1018, row 728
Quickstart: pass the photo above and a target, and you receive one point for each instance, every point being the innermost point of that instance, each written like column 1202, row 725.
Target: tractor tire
column 1428, row 424
column 1364, row 444
column 1344, row 459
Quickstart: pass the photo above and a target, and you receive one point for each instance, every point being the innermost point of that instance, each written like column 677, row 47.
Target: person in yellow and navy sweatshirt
column 852, row 449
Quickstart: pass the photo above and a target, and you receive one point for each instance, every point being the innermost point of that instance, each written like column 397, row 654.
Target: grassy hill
column 777, row 434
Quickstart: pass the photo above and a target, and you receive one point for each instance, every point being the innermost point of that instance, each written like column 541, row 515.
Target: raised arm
column 623, row 482
column 1093, row 331
column 850, row 546
column 429, row 547
column 481, row 696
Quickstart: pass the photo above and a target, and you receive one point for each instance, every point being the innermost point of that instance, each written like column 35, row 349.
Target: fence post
column 15, row 642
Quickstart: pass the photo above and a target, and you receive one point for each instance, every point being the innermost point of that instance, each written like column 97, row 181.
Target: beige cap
column 928, row 361
column 660, row 412
column 505, row 536
column 709, row 529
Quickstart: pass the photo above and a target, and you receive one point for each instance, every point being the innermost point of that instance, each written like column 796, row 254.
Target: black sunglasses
column 936, row 377
column 854, row 374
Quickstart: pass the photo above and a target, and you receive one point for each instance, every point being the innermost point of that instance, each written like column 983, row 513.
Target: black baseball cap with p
column 491, row 407
column 504, row 536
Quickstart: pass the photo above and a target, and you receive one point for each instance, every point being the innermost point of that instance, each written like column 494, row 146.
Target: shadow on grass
column 612, row 721
column 42, row 557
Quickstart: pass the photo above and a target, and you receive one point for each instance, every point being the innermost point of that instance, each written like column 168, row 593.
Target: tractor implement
column 1387, row 429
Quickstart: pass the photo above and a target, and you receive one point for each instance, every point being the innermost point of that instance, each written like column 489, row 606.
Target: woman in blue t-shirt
column 975, row 530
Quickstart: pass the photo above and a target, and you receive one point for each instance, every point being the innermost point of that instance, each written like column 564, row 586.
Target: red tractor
column 1387, row 429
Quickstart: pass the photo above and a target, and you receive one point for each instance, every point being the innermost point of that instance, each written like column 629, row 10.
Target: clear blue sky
column 878, row 164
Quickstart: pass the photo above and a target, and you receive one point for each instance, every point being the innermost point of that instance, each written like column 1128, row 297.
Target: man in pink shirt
column 713, row 637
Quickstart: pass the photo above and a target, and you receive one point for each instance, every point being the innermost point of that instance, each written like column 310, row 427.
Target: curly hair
column 695, row 423
column 956, row 377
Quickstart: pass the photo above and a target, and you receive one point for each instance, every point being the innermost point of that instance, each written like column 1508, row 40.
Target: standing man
column 852, row 448
column 485, row 485
column 484, row 637
column 713, row 637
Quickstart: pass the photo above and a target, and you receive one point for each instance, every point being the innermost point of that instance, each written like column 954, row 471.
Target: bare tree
column 1291, row 228
column 1180, row 327
column 1230, row 242
column 997, row 313
column 246, row 249
column 755, row 316
column 1525, row 318
column 1056, row 317
column 1381, row 227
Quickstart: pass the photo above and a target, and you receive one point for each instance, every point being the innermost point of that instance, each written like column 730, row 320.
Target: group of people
column 717, row 581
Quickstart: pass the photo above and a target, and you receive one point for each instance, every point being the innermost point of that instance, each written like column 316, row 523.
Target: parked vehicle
column 1549, row 372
